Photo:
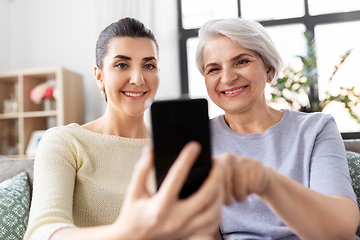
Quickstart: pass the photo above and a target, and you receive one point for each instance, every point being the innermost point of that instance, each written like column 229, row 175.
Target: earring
column 269, row 80
column 102, row 92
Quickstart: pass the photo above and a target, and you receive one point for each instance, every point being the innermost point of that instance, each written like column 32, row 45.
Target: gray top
column 306, row 147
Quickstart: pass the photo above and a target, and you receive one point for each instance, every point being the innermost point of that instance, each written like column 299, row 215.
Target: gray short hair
column 248, row 34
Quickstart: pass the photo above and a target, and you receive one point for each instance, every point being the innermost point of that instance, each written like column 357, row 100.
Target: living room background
column 335, row 26
column 43, row 33
column 48, row 33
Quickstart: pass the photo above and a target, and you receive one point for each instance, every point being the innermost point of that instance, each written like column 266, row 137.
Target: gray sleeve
column 329, row 172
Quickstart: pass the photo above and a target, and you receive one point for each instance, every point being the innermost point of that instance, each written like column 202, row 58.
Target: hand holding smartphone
column 175, row 123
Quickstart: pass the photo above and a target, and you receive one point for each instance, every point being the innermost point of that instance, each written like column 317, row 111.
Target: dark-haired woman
column 83, row 172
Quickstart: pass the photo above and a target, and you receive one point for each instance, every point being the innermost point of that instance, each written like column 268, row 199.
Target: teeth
column 228, row 92
column 134, row 94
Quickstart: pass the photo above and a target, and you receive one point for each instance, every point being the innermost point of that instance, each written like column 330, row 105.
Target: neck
column 125, row 125
column 254, row 121
column 119, row 125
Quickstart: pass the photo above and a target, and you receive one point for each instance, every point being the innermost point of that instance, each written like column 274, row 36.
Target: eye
column 121, row 65
column 212, row 70
column 242, row 62
column 149, row 66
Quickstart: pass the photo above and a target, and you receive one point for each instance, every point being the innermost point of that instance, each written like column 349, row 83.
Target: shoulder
column 217, row 124
column 307, row 118
column 61, row 136
column 217, row 120
column 63, row 131
column 309, row 124
column 304, row 115
column 78, row 135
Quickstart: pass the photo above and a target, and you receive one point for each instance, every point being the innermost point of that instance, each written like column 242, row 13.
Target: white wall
column 46, row 33
column 4, row 35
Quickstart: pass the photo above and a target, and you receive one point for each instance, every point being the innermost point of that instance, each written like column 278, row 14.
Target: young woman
column 83, row 172
column 293, row 181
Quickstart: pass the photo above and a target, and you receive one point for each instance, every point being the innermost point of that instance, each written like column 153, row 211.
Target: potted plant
column 294, row 86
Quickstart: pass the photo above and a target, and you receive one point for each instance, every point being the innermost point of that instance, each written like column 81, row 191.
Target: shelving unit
column 26, row 117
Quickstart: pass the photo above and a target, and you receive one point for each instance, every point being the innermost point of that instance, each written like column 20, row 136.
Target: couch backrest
column 9, row 167
column 352, row 145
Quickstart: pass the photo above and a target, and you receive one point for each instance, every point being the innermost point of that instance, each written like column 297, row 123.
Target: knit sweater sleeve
column 53, row 189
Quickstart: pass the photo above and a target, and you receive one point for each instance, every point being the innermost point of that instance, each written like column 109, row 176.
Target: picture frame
column 33, row 142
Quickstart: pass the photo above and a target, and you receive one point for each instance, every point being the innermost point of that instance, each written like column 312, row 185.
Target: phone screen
column 174, row 124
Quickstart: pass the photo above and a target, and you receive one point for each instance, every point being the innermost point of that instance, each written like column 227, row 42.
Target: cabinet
column 20, row 116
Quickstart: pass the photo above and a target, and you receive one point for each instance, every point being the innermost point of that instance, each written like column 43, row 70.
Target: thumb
column 137, row 186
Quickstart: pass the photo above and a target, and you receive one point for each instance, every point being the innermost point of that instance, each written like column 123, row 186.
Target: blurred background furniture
column 20, row 116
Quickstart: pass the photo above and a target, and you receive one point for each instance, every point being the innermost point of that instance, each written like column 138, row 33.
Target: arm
column 162, row 216
column 309, row 214
column 52, row 201
column 216, row 236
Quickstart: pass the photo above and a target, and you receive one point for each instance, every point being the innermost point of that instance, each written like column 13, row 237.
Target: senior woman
column 292, row 181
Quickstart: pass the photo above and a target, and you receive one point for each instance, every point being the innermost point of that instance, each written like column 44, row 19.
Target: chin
column 234, row 109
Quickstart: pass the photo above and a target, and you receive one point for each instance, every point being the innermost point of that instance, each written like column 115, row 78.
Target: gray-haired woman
column 286, row 170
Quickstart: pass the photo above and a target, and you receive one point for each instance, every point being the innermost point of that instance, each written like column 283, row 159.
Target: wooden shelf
column 16, row 85
column 9, row 115
column 52, row 113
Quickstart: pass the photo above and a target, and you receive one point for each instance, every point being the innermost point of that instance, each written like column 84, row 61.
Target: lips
column 134, row 94
column 233, row 90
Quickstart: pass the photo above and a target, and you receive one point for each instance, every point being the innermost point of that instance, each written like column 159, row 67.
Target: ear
column 270, row 72
column 98, row 77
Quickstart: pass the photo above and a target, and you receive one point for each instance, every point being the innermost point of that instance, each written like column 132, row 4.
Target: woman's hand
column 309, row 214
column 164, row 215
column 243, row 176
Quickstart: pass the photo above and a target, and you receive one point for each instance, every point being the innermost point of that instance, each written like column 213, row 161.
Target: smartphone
column 175, row 123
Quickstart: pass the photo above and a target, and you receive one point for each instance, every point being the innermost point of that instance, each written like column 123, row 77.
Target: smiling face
column 130, row 74
column 235, row 77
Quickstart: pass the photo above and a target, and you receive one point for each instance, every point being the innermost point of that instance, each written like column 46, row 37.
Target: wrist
column 270, row 178
column 114, row 232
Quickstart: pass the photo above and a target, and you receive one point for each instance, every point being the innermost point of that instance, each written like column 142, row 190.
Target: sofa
column 16, row 178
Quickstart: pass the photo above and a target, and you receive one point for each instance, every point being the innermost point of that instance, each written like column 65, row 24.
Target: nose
column 228, row 76
column 137, row 77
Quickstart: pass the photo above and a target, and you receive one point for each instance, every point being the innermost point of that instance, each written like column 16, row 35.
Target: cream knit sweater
column 80, row 179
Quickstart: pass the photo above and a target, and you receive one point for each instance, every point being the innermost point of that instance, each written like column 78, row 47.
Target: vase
column 49, row 104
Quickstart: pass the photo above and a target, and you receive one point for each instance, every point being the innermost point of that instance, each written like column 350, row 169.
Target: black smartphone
column 175, row 123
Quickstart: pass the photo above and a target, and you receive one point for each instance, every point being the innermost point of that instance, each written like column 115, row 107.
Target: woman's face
column 235, row 77
column 130, row 74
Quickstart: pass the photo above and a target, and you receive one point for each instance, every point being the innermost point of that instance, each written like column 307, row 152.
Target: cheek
column 153, row 82
column 210, row 84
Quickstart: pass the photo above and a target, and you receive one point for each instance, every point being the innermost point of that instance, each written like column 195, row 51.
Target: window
column 196, row 12
column 334, row 26
column 261, row 10
column 317, row 7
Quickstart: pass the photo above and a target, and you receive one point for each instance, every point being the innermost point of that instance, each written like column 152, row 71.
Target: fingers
column 228, row 186
column 227, row 162
column 179, row 171
column 137, row 185
column 243, row 176
column 212, row 187
column 212, row 195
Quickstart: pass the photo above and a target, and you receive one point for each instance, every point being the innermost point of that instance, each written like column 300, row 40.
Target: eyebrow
column 149, row 58
column 122, row 57
column 240, row 56
column 145, row 59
